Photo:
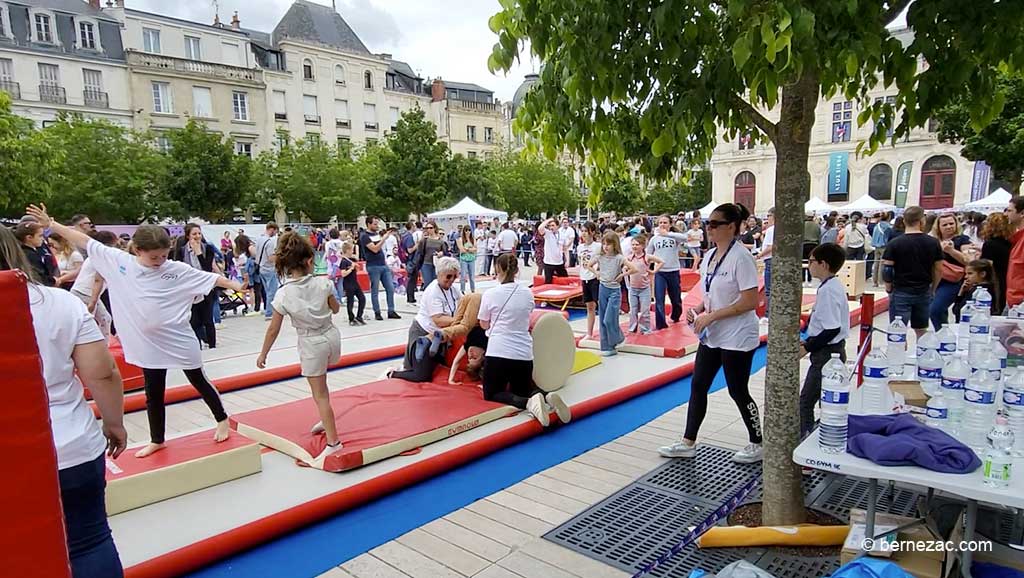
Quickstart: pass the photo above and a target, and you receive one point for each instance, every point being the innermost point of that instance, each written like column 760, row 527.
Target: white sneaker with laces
column 561, row 408
column 750, row 454
column 539, row 409
column 680, row 449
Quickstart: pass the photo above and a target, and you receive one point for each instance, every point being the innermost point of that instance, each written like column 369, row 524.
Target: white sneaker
column 609, row 353
column 748, row 455
column 539, row 409
column 387, row 373
column 680, row 449
column 561, row 408
column 318, row 428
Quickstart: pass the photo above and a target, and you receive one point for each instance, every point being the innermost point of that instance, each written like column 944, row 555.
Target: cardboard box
column 852, row 276
column 911, row 391
column 919, row 564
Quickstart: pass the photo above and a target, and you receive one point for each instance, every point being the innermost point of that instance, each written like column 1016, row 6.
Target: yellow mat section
column 585, row 360
column 742, row 536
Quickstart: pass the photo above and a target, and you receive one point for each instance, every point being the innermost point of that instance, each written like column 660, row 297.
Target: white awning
column 867, row 204
column 995, row 201
column 468, row 210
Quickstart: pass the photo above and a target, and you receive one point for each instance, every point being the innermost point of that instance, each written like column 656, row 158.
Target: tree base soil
column 749, row 515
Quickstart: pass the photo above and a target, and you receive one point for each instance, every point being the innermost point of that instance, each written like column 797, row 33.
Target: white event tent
column 995, row 201
column 706, row 211
column 465, row 211
column 817, row 206
column 867, row 204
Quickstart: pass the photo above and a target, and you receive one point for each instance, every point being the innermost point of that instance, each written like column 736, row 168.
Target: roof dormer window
column 42, row 28
column 88, row 35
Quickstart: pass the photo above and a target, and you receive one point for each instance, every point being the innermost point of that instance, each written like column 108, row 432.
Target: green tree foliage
column 105, row 170
column 622, row 196
column 655, row 83
column 1001, row 142
column 414, row 167
column 26, row 162
column 320, row 181
column 473, row 178
column 204, row 177
column 686, row 194
column 531, row 185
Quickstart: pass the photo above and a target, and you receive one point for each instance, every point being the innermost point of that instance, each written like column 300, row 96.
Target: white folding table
column 968, row 486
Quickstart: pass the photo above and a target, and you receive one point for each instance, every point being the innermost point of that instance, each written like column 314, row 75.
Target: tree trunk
column 783, row 497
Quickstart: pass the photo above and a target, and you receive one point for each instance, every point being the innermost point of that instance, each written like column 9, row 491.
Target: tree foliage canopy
column 26, row 162
column 203, row 176
column 414, row 167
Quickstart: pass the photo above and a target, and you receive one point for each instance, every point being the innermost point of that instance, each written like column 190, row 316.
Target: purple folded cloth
column 901, row 440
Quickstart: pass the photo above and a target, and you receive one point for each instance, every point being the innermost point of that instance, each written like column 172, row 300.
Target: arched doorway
column 938, row 182
column 745, row 190
column 880, row 182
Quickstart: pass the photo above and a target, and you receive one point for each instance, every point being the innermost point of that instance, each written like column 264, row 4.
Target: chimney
column 437, row 90
column 95, row 4
column 216, row 19
column 235, row 22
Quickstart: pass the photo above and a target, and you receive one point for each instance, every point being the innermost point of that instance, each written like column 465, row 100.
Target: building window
column 193, row 48
column 6, row 70
column 488, row 134
column 240, row 105
column 151, row 40
column 880, row 182
column 747, row 141
column 471, row 154
column 87, row 35
column 842, row 121
column 938, row 182
column 933, row 125
column 4, row 25
column 341, row 117
column 93, row 94
column 891, row 101
column 280, row 139
column 243, row 148
column 471, row 133
column 344, row 141
column 280, row 108
column 202, row 102
column 368, row 80
column 371, row 142
column 307, row 69
column 370, row 116
column 163, row 144
column 44, row 33
column 339, row 74
column 745, row 190
column 162, row 98
column 396, row 114
column 313, row 138
column 309, row 109
column 49, row 74
column 453, row 94
column 231, row 53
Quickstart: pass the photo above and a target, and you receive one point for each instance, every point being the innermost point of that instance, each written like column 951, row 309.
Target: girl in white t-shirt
column 152, row 301
column 309, row 301
column 727, row 326
column 508, row 364
column 694, row 239
column 588, row 250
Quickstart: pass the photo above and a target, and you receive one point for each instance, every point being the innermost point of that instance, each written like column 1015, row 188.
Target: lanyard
column 709, row 278
column 448, row 306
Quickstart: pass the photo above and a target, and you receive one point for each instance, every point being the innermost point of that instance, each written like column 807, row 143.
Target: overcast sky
column 449, row 39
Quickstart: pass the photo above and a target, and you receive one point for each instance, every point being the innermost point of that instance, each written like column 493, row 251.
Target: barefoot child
column 588, row 250
column 310, row 302
column 639, row 285
column 151, row 299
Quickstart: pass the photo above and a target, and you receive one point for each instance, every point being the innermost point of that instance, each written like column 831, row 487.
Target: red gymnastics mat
column 677, row 340
column 559, row 295
column 376, row 420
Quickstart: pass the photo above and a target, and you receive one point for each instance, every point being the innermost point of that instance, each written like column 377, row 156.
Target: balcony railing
column 472, row 106
column 53, row 94
column 312, row 119
column 95, row 99
column 343, row 123
column 171, row 64
column 12, row 88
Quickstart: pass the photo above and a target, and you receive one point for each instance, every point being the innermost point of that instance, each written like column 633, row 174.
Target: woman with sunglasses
column 727, row 326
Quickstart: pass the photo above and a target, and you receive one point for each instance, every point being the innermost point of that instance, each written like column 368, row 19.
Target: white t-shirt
column 508, row 307
column 567, row 236
column 304, row 300
column 86, row 277
column 240, row 262
column 153, row 307
column 437, row 301
column 479, row 233
column 492, row 245
column 625, row 244
column 507, row 240
column 61, row 322
column 69, row 262
column 768, row 240
column 552, row 249
column 738, row 272
column 333, row 247
column 390, row 246
column 417, row 235
column 831, row 310
column 694, row 238
column 585, row 252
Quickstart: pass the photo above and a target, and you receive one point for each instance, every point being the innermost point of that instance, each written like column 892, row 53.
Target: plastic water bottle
column 896, row 347
column 997, row 351
column 835, row 399
column 1017, row 311
column 874, row 398
column 947, row 341
column 1013, row 406
column 979, row 329
column 954, row 377
column 998, row 462
column 929, row 371
column 927, row 341
column 937, row 412
column 979, row 410
column 964, row 328
column 982, row 299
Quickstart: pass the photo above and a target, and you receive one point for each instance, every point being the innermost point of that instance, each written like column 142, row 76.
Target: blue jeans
column 666, row 281
column 767, row 286
column 381, row 274
column 911, row 307
column 429, row 273
column 466, row 269
column 609, row 301
column 270, row 284
column 945, row 295
column 216, row 307
column 90, row 545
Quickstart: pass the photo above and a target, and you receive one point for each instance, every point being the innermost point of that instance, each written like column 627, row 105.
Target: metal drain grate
column 782, row 566
column 848, row 493
column 710, row 476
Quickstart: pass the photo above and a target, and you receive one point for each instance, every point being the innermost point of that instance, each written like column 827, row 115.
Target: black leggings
column 552, row 271
column 736, row 365
column 422, row 370
column 156, row 384
column 351, row 295
column 202, row 320
column 508, row 381
column 258, row 296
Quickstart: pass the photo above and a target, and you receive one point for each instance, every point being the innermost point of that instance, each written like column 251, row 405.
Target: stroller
column 232, row 300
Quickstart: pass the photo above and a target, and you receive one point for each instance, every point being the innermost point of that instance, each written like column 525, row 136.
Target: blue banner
column 982, row 174
column 838, row 175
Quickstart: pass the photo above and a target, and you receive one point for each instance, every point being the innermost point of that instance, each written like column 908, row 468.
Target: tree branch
column 763, row 124
column 897, row 8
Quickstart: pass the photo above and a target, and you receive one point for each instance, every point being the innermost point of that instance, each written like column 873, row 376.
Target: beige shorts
column 317, row 352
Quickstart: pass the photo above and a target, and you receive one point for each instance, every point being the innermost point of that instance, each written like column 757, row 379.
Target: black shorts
column 590, row 289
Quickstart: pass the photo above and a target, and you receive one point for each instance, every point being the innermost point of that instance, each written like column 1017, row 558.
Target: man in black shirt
column 912, row 268
column 371, row 247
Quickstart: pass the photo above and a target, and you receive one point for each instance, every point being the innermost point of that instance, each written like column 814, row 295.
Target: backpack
column 403, row 249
